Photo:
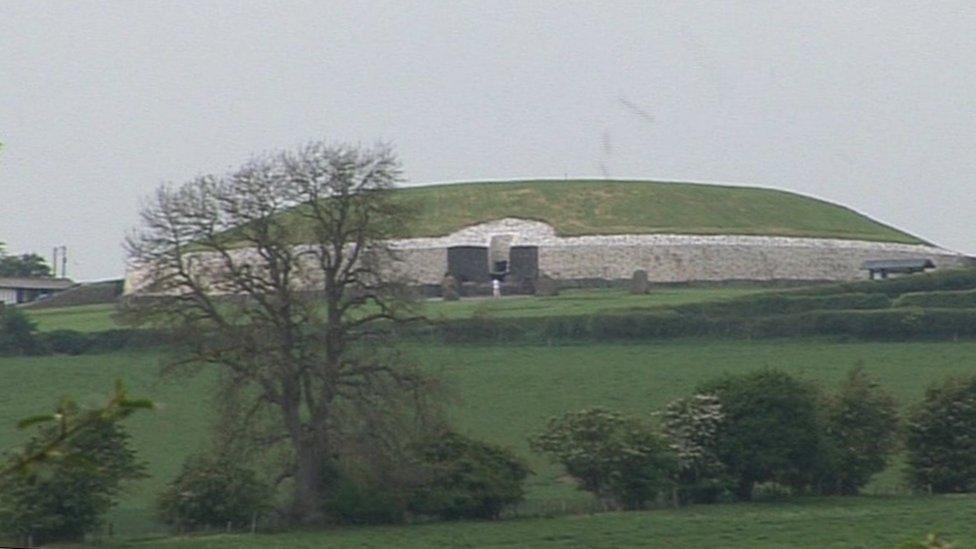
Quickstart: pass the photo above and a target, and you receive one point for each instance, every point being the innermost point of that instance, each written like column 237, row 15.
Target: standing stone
column 449, row 288
column 546, row 287
column 638, row 282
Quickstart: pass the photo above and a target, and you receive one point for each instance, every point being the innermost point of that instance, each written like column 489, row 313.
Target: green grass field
column 94, row 318
column 86, row 318
column 864, row 522
column 500, row 394
column 584, row 207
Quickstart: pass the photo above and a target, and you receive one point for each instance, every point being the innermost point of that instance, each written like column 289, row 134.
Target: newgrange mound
column 586, row 230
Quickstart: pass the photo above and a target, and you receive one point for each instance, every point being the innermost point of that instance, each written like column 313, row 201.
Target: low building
column 883, row 268
column 14, row 291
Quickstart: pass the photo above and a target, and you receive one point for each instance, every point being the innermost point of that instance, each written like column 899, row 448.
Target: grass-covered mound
column 600, row 207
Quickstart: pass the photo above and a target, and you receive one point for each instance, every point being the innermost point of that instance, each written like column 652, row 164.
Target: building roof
column 898, row 264
column 36, row 283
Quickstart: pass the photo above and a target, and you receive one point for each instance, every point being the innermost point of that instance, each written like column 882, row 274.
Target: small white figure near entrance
column 496, row 287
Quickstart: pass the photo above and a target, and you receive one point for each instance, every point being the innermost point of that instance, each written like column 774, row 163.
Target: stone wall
column 666, row 258
column 674, row 258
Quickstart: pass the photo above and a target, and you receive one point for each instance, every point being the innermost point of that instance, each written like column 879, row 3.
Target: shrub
column 941, row 438
column 67, row 342
column 18, row 333
column 861, row 433
column 213, row 492
column 769, row 432
column 618, row 458
column 357, row 499
column 67, row 498
column 691, row 426
column 468, row 479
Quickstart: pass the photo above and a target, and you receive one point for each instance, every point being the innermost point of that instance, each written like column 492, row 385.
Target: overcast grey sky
column 870, row 104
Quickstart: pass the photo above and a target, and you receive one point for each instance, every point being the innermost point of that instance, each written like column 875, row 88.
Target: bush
column 467, row 479
column 213, row 492
column 18, row 333
column 769, row 432
column 68, row 498
column 691, row 426
column 356, row 499
column 861, row 433
column 618, row 458
column 941, row 438
column 67, row 342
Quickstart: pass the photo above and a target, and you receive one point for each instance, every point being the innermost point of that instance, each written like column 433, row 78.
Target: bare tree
column 280, row 274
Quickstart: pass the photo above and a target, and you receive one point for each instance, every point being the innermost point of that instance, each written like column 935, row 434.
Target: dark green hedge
column 786, row 303
column 945, row 280
column 884, row 324
column 965, row 299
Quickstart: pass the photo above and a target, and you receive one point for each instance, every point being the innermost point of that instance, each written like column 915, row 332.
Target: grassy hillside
column 498, row 393
column 580, row 207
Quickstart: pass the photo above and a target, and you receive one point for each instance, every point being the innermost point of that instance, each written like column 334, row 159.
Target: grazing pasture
column 95, row 318
column 862, row 522
column 498, row 393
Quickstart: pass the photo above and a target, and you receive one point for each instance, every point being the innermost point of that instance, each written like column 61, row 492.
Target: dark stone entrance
column 523, row 263
column 468, row 263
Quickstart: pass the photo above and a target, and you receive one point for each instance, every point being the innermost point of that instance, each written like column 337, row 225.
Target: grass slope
column 594, row 207
column 827, row 522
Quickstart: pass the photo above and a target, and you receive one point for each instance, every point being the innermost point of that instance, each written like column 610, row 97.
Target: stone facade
column 665, row 257
column 669, row 257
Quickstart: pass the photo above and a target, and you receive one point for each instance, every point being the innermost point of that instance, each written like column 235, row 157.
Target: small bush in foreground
column 468, row 479
column 861, row 432
column 941, row 440
column 618, row 458
column 68, row 497
column 212, row 492
column 770, row 430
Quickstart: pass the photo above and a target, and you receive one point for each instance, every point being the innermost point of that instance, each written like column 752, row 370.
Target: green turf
column 499, row 393
column 84, row 318
column 825, row 522
column 592, row 207
column 94, row 318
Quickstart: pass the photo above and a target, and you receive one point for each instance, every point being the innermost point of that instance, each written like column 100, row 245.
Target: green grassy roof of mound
column 600, row 207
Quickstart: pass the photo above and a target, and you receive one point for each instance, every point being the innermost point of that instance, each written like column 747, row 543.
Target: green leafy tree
column 59, row 486
column 467, row 479
column 770, row 430
column 213, row 492
column 618, row 458
column 941, row 439
column 861, row 428
column 28, row 265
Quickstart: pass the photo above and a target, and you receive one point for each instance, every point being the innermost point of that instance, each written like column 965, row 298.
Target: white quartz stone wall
column 665, row 257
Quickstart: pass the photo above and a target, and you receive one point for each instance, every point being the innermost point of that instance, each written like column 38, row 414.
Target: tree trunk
column 307, row 502
column 743, row 491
